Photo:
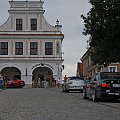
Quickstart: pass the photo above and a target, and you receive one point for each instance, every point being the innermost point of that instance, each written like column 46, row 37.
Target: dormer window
column 33, row 24
column 19, row 23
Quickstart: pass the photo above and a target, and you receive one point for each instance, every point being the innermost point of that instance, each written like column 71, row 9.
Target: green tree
column 102, row 23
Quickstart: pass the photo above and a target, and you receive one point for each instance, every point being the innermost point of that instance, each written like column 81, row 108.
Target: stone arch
column 12, row 65
column 42, row 74
column 10, row 73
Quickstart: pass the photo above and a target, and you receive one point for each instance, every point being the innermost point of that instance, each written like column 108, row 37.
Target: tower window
column 33, row 24
column 19, row 24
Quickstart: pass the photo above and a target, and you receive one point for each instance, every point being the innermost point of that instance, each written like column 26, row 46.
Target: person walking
column 65, row 78
column 58, row 83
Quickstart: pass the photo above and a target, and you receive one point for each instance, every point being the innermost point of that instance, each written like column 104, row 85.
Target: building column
column 28, row 80
column 26, row 22
column 12, row 21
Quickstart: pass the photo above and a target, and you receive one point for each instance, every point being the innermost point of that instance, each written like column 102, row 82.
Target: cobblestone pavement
column 53, row 104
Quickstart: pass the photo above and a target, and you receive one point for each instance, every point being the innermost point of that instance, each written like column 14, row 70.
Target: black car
column 105, row 85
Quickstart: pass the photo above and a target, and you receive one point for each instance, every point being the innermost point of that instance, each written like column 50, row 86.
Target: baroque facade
column 30, row 48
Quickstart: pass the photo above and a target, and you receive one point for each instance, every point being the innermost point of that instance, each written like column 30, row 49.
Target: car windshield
column 110, row 75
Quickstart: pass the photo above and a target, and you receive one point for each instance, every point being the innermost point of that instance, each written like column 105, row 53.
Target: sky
column 68, row 13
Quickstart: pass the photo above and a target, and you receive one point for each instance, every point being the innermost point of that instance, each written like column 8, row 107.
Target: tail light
column 104, row 85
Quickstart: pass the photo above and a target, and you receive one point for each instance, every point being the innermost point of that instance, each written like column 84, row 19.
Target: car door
column 93, row 86
column 88, row 87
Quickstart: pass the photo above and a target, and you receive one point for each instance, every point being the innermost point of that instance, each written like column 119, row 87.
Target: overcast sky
column 68, row 13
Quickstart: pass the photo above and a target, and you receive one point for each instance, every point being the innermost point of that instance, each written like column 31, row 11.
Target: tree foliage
column 102, row 23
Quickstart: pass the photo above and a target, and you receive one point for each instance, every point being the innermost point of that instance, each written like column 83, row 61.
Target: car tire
column 63, row 90
column 84, row 96
column 94, row 96
column 66, row 90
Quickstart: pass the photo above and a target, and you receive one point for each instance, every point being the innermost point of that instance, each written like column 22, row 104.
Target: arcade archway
column 42, row 74
column 10, row 73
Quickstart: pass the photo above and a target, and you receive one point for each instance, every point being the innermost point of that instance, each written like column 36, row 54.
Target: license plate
column 116, row 85
column 114, row 93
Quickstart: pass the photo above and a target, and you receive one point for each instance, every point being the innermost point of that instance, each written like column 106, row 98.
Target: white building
column 29, row 46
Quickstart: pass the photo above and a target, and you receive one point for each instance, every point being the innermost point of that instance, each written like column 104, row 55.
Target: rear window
column 74, row 77
column 110, row 76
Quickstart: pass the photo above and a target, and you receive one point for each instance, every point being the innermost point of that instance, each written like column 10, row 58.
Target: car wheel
column 12, row 86
column 63, row 90
column 84, row 94
column 66, row 90
column 94, row 96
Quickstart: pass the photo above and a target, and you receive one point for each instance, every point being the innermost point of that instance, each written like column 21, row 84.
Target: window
column 18, row 24
column 33, row 48
column 19, row 48
column 112, row 68
column 110, row 75
column 48, row 48
column 3, row 48
column 57, row 48
column 33, row 24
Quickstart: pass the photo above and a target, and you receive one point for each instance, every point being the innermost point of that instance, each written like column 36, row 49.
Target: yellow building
column 89, row 69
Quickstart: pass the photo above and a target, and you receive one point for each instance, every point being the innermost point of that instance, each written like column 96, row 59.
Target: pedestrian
column 39, row 83
column 33, row 84
column 65, row 78
column 1, row 82
column 58, row 83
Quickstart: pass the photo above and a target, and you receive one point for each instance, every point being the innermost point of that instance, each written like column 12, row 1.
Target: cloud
column 74, row 44
column 71, row 68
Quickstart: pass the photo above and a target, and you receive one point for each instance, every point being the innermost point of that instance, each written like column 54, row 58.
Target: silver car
column 73, row 84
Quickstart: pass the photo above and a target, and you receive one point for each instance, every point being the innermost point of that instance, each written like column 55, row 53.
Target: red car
column 8, row 84
column 15, row 84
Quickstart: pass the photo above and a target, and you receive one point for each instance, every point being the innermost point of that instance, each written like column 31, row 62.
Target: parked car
column 105, row 85
column 62, row 82
column 73, row 84
column 1, row 82
column 8, row 84
column 16, row 83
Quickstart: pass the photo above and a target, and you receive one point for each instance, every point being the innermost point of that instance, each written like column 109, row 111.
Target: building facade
column 30, row 48
column 89, row 69
column 79, row 71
